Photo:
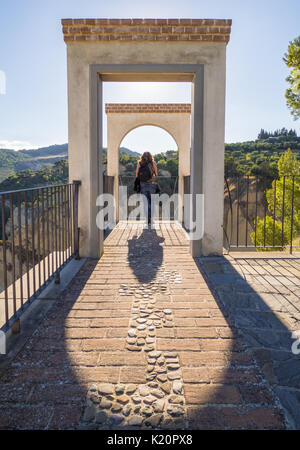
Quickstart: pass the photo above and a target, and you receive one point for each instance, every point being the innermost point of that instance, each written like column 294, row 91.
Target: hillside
column 12, row 162
column 129, row 152
column 260, row 157
column 45, row 152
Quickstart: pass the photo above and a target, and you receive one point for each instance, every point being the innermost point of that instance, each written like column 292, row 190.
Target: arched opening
column 162, row 145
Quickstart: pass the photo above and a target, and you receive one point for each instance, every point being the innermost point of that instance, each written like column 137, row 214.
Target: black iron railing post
column 292, row 215
column 76, row 184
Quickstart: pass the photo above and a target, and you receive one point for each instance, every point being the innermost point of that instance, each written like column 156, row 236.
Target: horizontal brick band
column 112, row 108
column 214, row 30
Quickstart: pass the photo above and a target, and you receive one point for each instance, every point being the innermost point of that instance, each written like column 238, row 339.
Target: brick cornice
column 121, row 108
column 87, row 30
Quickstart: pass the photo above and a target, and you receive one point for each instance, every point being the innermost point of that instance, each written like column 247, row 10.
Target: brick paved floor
column 138, row 340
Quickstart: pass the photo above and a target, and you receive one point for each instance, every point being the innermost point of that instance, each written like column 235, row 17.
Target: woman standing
column 146, row 171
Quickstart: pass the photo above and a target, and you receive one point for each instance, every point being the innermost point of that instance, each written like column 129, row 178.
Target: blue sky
column 33, row 111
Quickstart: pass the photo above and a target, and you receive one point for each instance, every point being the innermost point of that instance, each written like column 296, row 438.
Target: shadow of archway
column 253, row 382
column 41, row 388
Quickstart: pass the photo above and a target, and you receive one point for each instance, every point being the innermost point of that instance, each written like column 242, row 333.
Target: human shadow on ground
column 145, row 254
column 255, row 378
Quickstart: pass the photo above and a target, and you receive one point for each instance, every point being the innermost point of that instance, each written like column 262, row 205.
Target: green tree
column 292, row 60
column 288, row 165
column 283, row 200
column 172, row 166
column 230, row 166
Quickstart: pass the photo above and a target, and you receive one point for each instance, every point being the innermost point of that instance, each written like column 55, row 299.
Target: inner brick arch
column 174, row 118
column 148, row 124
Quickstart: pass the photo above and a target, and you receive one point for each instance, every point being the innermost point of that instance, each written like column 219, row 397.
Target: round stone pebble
column 123, row 399
column 162, row 378
column 106, row 389
column 116, row 407
column 177, row 387
column 105, row 404
column 101, row 417
column 174, row 375
column 141, row 320
column 130, row 389
column 136, row 399
column 173, row 366
column 132, row 333
column 154, row 420
column 127, row 410
column 159, row 405
column 135, row 420
column 149, row 399
column 175, row 411
column 147, row 410
column 166, row 387
column 177, row 399
column 116, row 419
column 155, row 354
column 157, row 393
column 144, row 390
column 120, row 388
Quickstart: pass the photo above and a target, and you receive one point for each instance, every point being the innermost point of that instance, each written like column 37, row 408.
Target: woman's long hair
column 147, row 158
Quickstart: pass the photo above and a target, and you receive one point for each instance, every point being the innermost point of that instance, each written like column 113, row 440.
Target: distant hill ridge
column 12, row 161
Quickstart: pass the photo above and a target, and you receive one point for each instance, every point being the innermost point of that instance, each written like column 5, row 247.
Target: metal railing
column 108, row 184
column 262, row 214
column 168, row 185
column 40, row 235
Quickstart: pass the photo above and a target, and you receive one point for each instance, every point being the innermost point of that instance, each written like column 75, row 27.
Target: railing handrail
column 37, row 188
column 160, row 176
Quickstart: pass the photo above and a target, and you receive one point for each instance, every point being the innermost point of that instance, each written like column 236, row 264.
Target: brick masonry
column 86, row 30
column 119, row 108
column 138, row 340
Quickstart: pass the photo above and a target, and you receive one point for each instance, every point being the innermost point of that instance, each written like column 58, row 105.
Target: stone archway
column 193, row 50
column 174, row 118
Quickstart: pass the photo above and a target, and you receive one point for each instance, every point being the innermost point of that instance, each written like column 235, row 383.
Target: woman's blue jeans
column 147, row 189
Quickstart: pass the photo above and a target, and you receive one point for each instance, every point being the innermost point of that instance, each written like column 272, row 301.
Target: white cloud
column 17, row 145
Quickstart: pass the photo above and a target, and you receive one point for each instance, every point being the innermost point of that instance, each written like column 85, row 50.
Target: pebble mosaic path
column 139, row 340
